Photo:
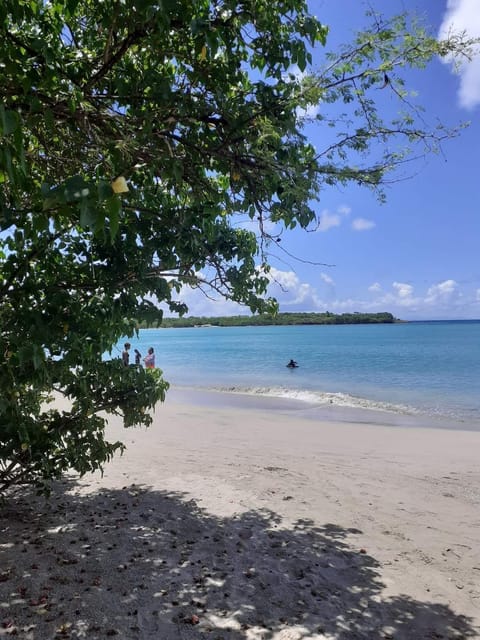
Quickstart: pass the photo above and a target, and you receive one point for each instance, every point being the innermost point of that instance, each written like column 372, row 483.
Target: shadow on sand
column 140, row 564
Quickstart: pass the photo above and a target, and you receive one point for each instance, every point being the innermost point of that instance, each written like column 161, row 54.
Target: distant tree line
column 279, row 319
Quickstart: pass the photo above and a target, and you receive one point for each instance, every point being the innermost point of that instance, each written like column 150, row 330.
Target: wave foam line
column 322, row 398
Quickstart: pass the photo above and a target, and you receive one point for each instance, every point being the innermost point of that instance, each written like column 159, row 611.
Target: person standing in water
column 149, row 359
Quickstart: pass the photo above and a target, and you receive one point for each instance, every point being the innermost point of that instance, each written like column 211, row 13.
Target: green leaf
column 9, row 121
column 105, row 190
column 76, row 188
column 114, row 208
column 88, row 214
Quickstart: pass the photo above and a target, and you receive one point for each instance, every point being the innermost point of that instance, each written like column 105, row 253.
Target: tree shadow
column 140, row 563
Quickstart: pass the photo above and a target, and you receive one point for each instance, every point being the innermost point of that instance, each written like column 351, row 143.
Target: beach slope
column 253, row 523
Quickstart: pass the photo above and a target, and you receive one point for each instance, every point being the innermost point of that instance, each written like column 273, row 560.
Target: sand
column 253, row 522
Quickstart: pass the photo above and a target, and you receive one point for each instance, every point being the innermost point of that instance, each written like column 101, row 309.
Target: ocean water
column 429, row 369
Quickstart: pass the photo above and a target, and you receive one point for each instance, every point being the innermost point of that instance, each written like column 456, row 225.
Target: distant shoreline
column 281, row 319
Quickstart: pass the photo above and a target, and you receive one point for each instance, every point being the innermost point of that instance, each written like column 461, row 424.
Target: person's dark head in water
column 292, row 364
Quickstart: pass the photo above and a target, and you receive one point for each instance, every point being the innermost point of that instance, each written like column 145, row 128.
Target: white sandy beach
column 253, row 523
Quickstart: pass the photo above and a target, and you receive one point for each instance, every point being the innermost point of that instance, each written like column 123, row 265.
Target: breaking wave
column 322, row 398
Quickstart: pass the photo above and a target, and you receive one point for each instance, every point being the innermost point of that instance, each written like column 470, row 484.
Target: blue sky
column 417, row 255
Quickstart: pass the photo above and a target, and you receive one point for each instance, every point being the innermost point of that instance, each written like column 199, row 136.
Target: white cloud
column 200, row 304
column 403, row 290
column 444, row 292
column 362, row 224
column 441, row 300
column 398, row 300
column 287, row 279
column 329, row 220
column 326, row 278
column 464, row 15
column 287, row 288
column 311, row 111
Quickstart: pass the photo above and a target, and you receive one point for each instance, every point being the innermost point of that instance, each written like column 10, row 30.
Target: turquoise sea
column 428, row 370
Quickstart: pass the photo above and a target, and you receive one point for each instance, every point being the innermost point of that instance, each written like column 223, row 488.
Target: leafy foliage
column 132, row 135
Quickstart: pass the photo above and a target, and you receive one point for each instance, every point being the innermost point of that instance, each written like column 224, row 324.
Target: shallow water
column 429, row 369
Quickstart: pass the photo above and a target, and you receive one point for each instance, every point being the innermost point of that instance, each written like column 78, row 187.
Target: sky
column 417, row 255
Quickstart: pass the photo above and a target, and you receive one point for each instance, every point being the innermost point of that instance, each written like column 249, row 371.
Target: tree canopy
column 134, row 136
